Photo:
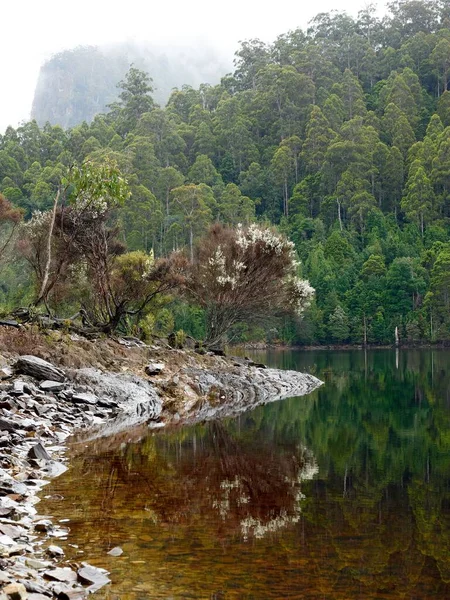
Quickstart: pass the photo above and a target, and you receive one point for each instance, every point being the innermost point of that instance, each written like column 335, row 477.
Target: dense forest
column 339, row 135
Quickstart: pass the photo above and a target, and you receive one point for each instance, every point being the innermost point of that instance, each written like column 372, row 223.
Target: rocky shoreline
column 43, row 404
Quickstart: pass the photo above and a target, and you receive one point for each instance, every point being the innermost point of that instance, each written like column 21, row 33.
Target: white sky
column 34, row 30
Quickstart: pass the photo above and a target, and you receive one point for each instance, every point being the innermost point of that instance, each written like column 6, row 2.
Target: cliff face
column 75, row 85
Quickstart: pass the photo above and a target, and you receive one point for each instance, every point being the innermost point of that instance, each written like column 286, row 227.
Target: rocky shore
column 43, row 402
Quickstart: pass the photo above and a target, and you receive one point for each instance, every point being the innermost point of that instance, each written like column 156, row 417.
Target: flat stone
column 39, row 452
column 117, row 551
column 39, row 368
column 63, row 574
column 96, row 578
column 52, row 386
column 84, row 398
column 154, row 368
column 34, row 596
column 37, row 564
column 11, row 531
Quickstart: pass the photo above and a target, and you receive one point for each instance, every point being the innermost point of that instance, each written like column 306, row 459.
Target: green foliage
column 338, row 135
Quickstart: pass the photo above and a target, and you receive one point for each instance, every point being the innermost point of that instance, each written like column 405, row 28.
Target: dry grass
column 66, row 351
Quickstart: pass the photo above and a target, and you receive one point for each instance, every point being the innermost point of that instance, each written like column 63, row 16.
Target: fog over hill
column 75, row 85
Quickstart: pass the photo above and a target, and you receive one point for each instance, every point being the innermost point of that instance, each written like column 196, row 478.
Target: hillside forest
column 337, row 135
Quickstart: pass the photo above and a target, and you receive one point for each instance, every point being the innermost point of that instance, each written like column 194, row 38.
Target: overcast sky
column 34, row 30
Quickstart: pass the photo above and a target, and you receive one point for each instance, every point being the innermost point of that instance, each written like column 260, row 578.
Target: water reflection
column 342, row 494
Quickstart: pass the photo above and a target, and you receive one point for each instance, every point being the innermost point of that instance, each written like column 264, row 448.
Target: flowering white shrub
column 246, row 274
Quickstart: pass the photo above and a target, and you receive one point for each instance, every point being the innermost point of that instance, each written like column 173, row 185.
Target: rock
column 96, row 578
column 18, row 388
column 15, row 591
column 6, row 373
column 7, row 425
column 55, row 551
column 63, row 574
column 37, row 564
column 5, row 577
column 54, row 469
column 43, row 525
column 70, row 594
column 36, row 596
column 11, row 530
column 85, row 398
column 154, row 368
column 217, row 351
column 52, row 386
column 39, row 368
column 38, row 451
column 115, row 551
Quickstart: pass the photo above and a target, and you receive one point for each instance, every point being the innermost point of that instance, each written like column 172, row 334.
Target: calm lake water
column 341, row 494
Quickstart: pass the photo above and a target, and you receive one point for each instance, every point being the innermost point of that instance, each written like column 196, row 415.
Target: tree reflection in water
column 240, row 509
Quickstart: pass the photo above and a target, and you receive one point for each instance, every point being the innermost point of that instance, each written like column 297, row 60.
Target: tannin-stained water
column 341, row 494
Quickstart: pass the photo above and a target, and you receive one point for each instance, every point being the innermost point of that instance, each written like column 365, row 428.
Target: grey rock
column 38, row 451
column 154, row 368
column 63, row 574
column 117, row 551
column 7, row 425
column 96, row 578
column 39, row 368
column 6, row 372
column 52, row 386
column 55, row 551
column 43, row 525
column 84, row 398
column 37, row 565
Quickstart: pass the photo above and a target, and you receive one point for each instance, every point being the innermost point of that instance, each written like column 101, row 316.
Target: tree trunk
column 43, row 292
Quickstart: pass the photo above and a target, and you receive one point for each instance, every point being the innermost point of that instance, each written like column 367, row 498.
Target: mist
column 32, row 35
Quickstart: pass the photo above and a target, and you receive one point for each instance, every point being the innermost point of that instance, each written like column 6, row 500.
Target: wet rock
column 96, row 578
column 15, row 591
column 39, row 452
column 51, row 386
column 117, row 551
column 39, row 368
column 154, row 368
column 43, row 525
column 55, row 551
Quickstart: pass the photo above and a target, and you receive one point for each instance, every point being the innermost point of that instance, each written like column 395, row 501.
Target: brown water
column 342, row 494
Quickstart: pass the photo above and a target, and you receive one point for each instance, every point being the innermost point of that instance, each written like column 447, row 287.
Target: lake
column 341, row 494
